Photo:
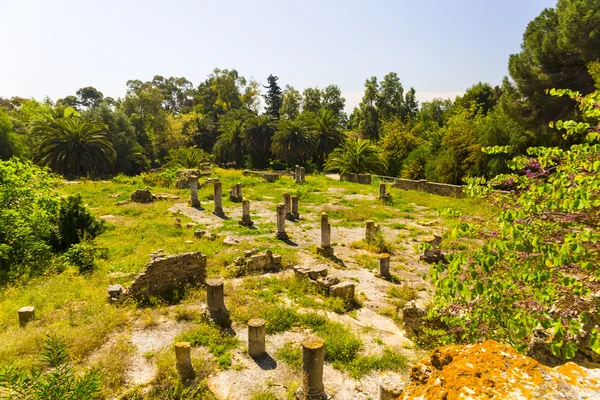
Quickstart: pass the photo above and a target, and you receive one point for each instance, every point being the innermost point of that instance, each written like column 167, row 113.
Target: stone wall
column 364, row 179
column 442, row 189
column 165, row 273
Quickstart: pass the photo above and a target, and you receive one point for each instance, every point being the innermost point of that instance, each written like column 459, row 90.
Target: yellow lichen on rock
column 495, row 371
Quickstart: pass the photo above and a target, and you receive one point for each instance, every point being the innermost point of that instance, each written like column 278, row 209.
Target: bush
column 538, row 264
column 83, row 256
column 55, row 381
column 75, row 223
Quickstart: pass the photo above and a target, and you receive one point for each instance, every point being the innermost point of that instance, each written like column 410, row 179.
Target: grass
column 218, row 342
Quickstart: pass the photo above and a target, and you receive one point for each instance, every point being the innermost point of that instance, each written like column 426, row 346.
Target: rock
column 183, row 178
column 301, row 271
column 327, row 281
column 142, row 196
column 121, row 203
column 390, row 386
column 189, row 242
column 494, row 370
column 539, row 348
column 115, row 292
column 190, row 225
column 344, row 290
column 166, row 196
column 413, row 317
column 317, row 272
column 199, row 234
column 230, row 241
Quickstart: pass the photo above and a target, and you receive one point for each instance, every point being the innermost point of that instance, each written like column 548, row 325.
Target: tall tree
column 258, row 135
column 293, row 143
column 290, row 103
column 311, row 100
column 273, row 97
column 230, row 145
column 332, row 100
column 369, row 124
column 328, row 133
column 71, row 146
column 89, row 96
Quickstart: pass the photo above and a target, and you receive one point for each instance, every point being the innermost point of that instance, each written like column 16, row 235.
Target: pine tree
column 273, row 97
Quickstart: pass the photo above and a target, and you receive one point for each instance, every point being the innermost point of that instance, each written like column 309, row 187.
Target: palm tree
column 230, row 145
column 326, row 125
column 258, row 134
column 186, row 157
column 72, row 146
column 356, row 156
column 293, row 142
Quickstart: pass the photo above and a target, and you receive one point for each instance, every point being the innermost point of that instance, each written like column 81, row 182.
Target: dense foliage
column 88, row 134
column 34, row 223
column 539, row 262
column 56, row 381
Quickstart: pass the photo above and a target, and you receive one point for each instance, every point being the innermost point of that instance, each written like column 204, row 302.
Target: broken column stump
column 325, row 250
column 194, row 201
column 256, row 337
column 384, row 265
column 295, row 214
column 313, row 357
column 218, row 195
column 26, row 314
column 246, row 220
column 215, row 299
column 183, row 361
column 281, row 234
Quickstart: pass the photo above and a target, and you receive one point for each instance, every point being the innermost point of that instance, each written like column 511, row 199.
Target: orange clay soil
column 490, row 371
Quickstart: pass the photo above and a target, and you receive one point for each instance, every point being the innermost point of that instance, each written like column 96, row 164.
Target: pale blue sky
column 439, row 47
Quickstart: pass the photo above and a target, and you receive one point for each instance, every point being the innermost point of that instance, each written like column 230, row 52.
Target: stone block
column 317, row 272
column 327, row 281
column 344, row 290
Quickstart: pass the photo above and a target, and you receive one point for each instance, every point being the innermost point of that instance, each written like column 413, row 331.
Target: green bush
column 55, row 381
column 75, row 223
column 83, row 256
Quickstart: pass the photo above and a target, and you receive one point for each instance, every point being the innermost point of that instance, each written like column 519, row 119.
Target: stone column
column 302, row 176
column 295, row 213
column 313, row 355
column 382, row 191
column 384, row 265
column 215, row 299
column 218, row 194
column 390, row 386
column 256, row 337
column 281, row 222
column 287, row 200
column 325, row 249
column 184, row 361
column 370, row 231
column 297, row 174
column 26, row 314
column 194, row 201
column 246, row 221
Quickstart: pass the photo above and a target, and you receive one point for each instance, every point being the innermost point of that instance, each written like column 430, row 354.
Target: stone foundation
column 252, row 263
column 163, row 274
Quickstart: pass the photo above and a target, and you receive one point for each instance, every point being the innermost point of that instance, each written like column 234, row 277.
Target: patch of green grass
column 390, row 360
column 219, row 343
column 263, row 395
column 402, row 294
column 291, row 354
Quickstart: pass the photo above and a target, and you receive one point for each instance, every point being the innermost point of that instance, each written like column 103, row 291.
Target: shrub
column 83, row 256
column 538, row 264
column 56, row 381
column 75, row 223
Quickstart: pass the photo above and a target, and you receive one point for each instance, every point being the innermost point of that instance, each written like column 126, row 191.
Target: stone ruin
column 270, row 178
column 325, row 249
column 434, row 254
column 163, row 274
column 235, row 194
column 331, row 285
column 253, row 262
column 145, row 196
column 246, row 220
column 372, row 230
column 384, row 195
column 364, row 179
column 299, row 174
column 291, row 207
